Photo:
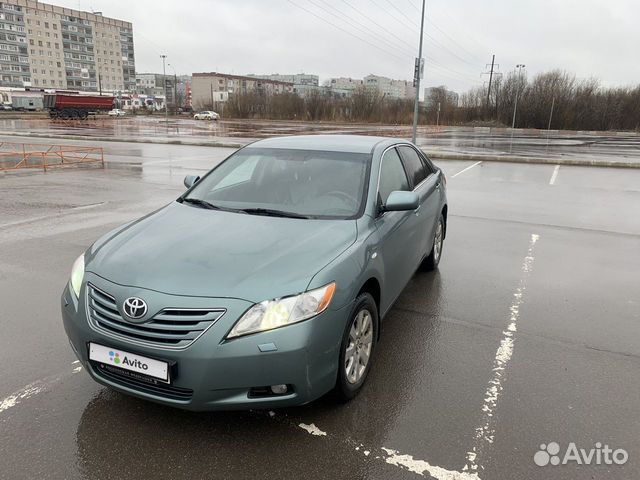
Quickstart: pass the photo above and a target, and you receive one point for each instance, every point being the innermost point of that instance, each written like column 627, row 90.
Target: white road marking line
column 404, row 461
column 16, row 397
column 465, row 169
column 554, row 175
column 312, row 429
column 33, row 389
column 485, row 433
column 77, row 361
column 86, row 207
column 421, row 467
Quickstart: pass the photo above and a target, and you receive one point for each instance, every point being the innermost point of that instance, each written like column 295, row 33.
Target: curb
column 159, row 141
column 432, row 153
column 532, row 160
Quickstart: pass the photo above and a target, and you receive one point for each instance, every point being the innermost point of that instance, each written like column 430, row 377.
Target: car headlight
column 77, row 275
column 279, row 312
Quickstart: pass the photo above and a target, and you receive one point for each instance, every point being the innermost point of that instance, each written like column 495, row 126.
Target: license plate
column 129, row 361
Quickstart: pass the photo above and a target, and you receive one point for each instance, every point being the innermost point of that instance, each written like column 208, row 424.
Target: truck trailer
column 67, row 105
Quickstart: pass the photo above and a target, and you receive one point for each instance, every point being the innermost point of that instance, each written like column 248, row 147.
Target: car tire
column 433, row 259
column 359, row 338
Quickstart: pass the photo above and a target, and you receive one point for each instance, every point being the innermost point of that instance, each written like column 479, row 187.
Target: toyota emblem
column 134, row 308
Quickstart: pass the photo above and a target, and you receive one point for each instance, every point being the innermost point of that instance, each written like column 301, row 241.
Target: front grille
column 124, row 378
column 171, row 328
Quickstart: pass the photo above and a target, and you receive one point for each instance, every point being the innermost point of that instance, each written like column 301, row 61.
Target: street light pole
column 519, row 68
column 416, row 104
column 164, row 82
column 175, row 88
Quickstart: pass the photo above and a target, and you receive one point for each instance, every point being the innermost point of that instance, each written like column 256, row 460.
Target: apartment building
column 46, row 46
column 208, row 88
column 390, row 88
column 303, row 83
column 151, row 83
column 343, row 86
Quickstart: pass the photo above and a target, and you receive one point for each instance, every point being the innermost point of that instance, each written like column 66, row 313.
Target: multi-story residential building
column 390, row 88
column 46, row 46
column 303, row 83
column 15, row 70
column 343, row 86
column 204, row 87
column 151, row 83
column 295, row 78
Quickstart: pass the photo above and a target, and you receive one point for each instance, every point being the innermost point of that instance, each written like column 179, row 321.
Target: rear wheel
column 358, row 345
column 433, row 259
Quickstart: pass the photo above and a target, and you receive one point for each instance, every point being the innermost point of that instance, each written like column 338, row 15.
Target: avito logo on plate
column 114, row 357
column 117, row 359
column 549, row 454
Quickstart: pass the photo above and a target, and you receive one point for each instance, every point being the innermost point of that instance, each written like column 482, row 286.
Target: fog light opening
column 279, row 389
column 271, row 391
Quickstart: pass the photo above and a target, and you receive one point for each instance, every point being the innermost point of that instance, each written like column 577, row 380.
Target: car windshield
column 315, row 184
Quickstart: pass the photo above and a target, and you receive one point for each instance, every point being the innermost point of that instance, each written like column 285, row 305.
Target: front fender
column 353, row 267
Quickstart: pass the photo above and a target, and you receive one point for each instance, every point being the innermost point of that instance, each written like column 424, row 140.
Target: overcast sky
column 591, row 38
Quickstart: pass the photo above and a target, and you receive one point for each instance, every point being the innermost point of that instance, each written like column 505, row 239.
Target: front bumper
column 214, row 374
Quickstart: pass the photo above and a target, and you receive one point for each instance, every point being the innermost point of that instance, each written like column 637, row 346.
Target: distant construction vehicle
column 69, row 105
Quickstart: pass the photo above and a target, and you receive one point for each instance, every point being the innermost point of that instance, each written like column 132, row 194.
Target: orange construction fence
column 14, row 156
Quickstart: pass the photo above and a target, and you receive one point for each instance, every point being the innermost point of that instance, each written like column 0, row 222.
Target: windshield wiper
column 201, row 203
column 272, row 213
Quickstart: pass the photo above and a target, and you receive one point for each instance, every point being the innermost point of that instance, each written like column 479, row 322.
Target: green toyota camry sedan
column 265, row 283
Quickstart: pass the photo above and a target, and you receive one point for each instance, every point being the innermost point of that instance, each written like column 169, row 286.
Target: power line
column 401, row 22
column 433, row 40
column 464, row 30
column 402, row 13
column 345, row 31
column 377, row 24
column 457, row 74
column 452, row 39
column 366, row 31
column 417, row 9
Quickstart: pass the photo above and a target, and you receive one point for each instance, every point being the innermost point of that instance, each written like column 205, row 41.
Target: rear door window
column 414, row 165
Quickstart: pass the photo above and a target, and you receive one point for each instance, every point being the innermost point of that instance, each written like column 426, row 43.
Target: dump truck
column 69, row 105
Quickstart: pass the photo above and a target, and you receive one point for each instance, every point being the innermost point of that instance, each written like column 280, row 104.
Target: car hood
column 185, row 250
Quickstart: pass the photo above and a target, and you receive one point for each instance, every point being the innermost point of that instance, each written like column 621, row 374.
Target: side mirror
column 401, row 201
column 190, row 180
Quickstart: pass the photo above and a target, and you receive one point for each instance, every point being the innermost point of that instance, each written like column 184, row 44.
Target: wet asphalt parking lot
column 528, row 334
column 444, row 140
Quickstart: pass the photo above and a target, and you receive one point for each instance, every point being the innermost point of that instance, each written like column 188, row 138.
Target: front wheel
column 433, row 259
column 358, row 345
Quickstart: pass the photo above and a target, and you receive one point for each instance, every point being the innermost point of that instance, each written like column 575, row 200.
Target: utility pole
column 175, row 89
column 493, row 61
column 438, row 117
column 553, row 104
column 519, row 68
column 417, row 72
column 164, row 81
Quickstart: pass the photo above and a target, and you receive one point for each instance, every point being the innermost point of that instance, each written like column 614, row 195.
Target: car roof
column 333, row 143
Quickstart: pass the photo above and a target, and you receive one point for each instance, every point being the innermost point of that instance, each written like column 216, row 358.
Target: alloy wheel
column 358, row 350
column 437, row 243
